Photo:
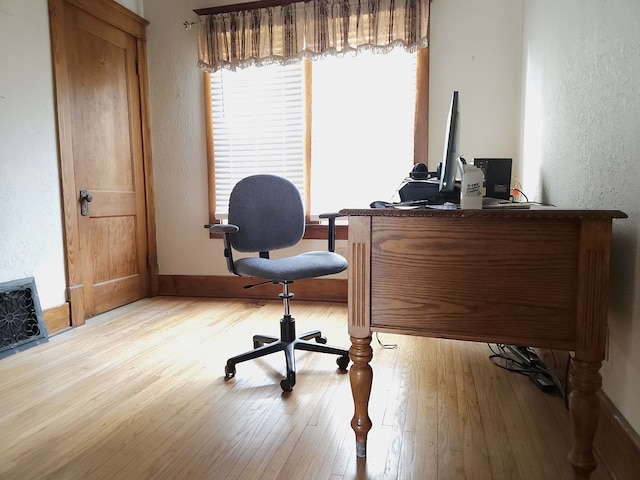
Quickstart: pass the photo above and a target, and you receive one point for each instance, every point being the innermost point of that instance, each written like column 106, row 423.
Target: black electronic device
column 419, row 172
column 451, row 152
column 497, row 176
column 427, row 191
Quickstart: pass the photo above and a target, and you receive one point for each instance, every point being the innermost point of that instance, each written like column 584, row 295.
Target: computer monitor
column 449, row 166
column 444, row 189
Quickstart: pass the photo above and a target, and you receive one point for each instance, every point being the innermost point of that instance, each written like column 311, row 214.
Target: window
column 341, row 128
column 258, row 126
column 362, row 128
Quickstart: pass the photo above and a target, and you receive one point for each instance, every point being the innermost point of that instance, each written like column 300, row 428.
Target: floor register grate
column 21, row 322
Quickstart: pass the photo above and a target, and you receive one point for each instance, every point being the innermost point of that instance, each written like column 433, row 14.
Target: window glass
column 362, row 124
column 362, row 130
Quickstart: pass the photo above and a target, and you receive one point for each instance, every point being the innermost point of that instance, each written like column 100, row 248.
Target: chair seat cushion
column 305, row 265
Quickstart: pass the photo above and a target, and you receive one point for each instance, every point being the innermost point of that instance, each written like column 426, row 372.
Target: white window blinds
column 258, row 126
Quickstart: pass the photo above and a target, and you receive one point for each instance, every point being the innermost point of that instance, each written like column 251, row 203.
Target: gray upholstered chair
column 265, row 214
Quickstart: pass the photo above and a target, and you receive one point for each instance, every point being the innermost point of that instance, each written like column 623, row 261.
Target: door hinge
column 138, row 66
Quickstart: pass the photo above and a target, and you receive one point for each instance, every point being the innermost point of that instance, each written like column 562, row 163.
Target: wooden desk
column 536, row 278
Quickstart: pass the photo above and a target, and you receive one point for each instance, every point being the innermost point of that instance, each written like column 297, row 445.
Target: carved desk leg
column 591, row 334
column 361, row 374
column 361, row 377
column 585, row 410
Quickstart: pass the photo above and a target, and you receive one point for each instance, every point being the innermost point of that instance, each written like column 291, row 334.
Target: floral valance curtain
column 309, row 29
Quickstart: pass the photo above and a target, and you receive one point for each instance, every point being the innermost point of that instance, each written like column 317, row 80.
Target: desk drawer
column 483, row 279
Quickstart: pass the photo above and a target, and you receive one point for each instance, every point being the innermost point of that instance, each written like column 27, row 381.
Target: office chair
column 266, row 213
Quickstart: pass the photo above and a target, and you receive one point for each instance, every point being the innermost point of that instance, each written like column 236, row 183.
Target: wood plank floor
column 139, row 393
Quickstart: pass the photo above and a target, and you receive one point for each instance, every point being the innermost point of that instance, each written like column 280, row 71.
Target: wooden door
column 98, row 89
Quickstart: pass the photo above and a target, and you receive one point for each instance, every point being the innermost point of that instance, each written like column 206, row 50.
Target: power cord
column 524, row 361
column 517, row 191
column 385, row 345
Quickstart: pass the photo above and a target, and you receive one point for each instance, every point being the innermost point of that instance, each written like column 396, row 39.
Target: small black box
column 497, row 176
column 428, row 192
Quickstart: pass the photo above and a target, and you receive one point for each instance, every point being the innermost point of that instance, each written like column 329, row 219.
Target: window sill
column 319, row 232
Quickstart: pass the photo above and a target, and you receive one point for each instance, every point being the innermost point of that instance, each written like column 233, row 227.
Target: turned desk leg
column 361, row 377
column 584, row 407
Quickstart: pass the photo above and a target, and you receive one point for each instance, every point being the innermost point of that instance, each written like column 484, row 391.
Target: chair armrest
column 221, row 228
column 331, row 215
column 331, row 235
column 225, row 229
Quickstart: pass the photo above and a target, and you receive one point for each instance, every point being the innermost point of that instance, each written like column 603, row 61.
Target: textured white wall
column 476, row 48
column 179, row 147
column 30, row 219
column 581, row 146
column 482, row 61
column 134, row 5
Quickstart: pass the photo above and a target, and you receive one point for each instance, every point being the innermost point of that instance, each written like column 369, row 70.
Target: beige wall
column 581, row 147
column 476, row 48
column 30, row 219
column 133, row 5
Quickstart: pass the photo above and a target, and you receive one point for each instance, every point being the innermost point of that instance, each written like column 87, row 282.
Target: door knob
column 85, row 198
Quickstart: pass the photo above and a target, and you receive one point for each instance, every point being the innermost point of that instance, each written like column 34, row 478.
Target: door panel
column 107, row 160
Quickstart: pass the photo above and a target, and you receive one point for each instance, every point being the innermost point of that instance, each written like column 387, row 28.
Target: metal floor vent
column 21, row 323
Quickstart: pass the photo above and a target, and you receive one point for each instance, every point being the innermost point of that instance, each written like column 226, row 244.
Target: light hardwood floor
column 139, row 393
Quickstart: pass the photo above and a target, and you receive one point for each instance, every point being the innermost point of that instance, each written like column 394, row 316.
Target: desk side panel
column 359, row 276
column 593, row 289
column 481, row 279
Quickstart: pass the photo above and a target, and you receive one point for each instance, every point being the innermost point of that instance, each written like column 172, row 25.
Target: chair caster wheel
column 288, row 383
column 229, row 372
column 322, row 340
column 343, row 362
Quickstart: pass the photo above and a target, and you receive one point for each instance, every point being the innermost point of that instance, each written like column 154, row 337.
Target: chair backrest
column 269, row 211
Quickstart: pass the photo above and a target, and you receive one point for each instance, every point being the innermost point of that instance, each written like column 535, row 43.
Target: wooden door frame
column 127, row 21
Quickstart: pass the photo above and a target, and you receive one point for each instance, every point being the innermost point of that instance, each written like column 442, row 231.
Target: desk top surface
column 533, row 212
